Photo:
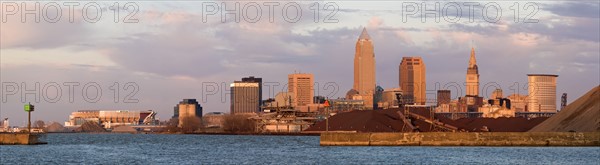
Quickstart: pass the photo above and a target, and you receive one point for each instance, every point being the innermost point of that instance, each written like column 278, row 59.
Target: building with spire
column 472, row 80
column 364, row 69
column 412, row 80
column 472, row 101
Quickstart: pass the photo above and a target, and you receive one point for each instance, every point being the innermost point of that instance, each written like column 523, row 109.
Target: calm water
column 229, row 149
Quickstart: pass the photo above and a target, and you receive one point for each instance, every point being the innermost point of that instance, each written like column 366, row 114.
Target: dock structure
column 462, row 139
column 285, row 120
column 20, row 139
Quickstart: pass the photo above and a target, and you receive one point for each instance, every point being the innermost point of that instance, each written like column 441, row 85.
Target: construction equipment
column 149, row 120
column 435, row 125
column 563, row 101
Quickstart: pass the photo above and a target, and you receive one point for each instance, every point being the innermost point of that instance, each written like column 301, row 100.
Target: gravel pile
column 56, row 127
column 90, row 127
column 582, row 115
column 389, row 121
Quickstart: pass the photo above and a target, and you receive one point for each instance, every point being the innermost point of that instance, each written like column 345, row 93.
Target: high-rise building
column 412, row 79
column 257, row 80
column 377, row 97
column 245, row 97
column 472, row 76
column 302, row 86
column 187, row 109
column 443, row 97
column 364, row 69
column 542, row 93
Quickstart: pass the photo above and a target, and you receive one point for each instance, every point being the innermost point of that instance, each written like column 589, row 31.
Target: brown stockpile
column 582, row 115
column 90, row 127
column 124, row 129
column 389, row 121
column 502, row 124
column 56, row 127
column 362, row 121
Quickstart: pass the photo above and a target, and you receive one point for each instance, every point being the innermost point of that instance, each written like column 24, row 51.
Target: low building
column 347, row 105
column 214, row 119
column 519, row 102
column 284, row 99
column 499, row 107
column 470, row 103
column 284, row 121
column 389, row 98
column 497, row 94
column 310, row 108
column 111, row 118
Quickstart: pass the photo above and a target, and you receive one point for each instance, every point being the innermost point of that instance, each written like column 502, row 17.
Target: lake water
column 232, row 149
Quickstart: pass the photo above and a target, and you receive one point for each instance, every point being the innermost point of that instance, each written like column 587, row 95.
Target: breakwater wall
column 462, row 139
column 19, row 139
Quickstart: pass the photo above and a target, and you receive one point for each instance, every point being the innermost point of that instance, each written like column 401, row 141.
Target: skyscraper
column 364, row 69
column 257, row 80
column 443, row 97
column 301, row 85
column 412, row 79
column 245, row 97
column 542, row 93
column 472, row 81
column 187, row 109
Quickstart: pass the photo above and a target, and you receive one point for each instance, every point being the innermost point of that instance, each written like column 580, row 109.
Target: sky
column 149, row 55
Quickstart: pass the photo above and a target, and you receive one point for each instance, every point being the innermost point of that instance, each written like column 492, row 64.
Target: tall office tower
column 542, row 93
column 301, row 85
column 259, row 81
column 472, row 76
column 186, row 109
column 245, row 97
column 443, row 97
column 364, row 69
column 412, row 79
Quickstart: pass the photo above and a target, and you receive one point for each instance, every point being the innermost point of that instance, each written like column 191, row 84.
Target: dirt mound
column 389, row 121
column 124, row 129
column 56, row 127
column 362, row 121
column 582, row 115
column 502, row 124
column 90, row 127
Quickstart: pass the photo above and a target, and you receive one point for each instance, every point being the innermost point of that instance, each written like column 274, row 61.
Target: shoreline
column 524, row 139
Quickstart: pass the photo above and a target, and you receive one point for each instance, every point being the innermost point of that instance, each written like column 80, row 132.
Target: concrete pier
column 462, row 139
column 19, row 139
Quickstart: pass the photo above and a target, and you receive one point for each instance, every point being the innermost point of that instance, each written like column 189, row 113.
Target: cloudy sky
column 149, row 55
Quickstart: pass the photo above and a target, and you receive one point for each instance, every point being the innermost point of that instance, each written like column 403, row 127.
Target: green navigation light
column 28, row 107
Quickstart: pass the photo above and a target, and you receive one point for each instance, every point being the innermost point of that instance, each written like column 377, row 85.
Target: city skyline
column 512, row 51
